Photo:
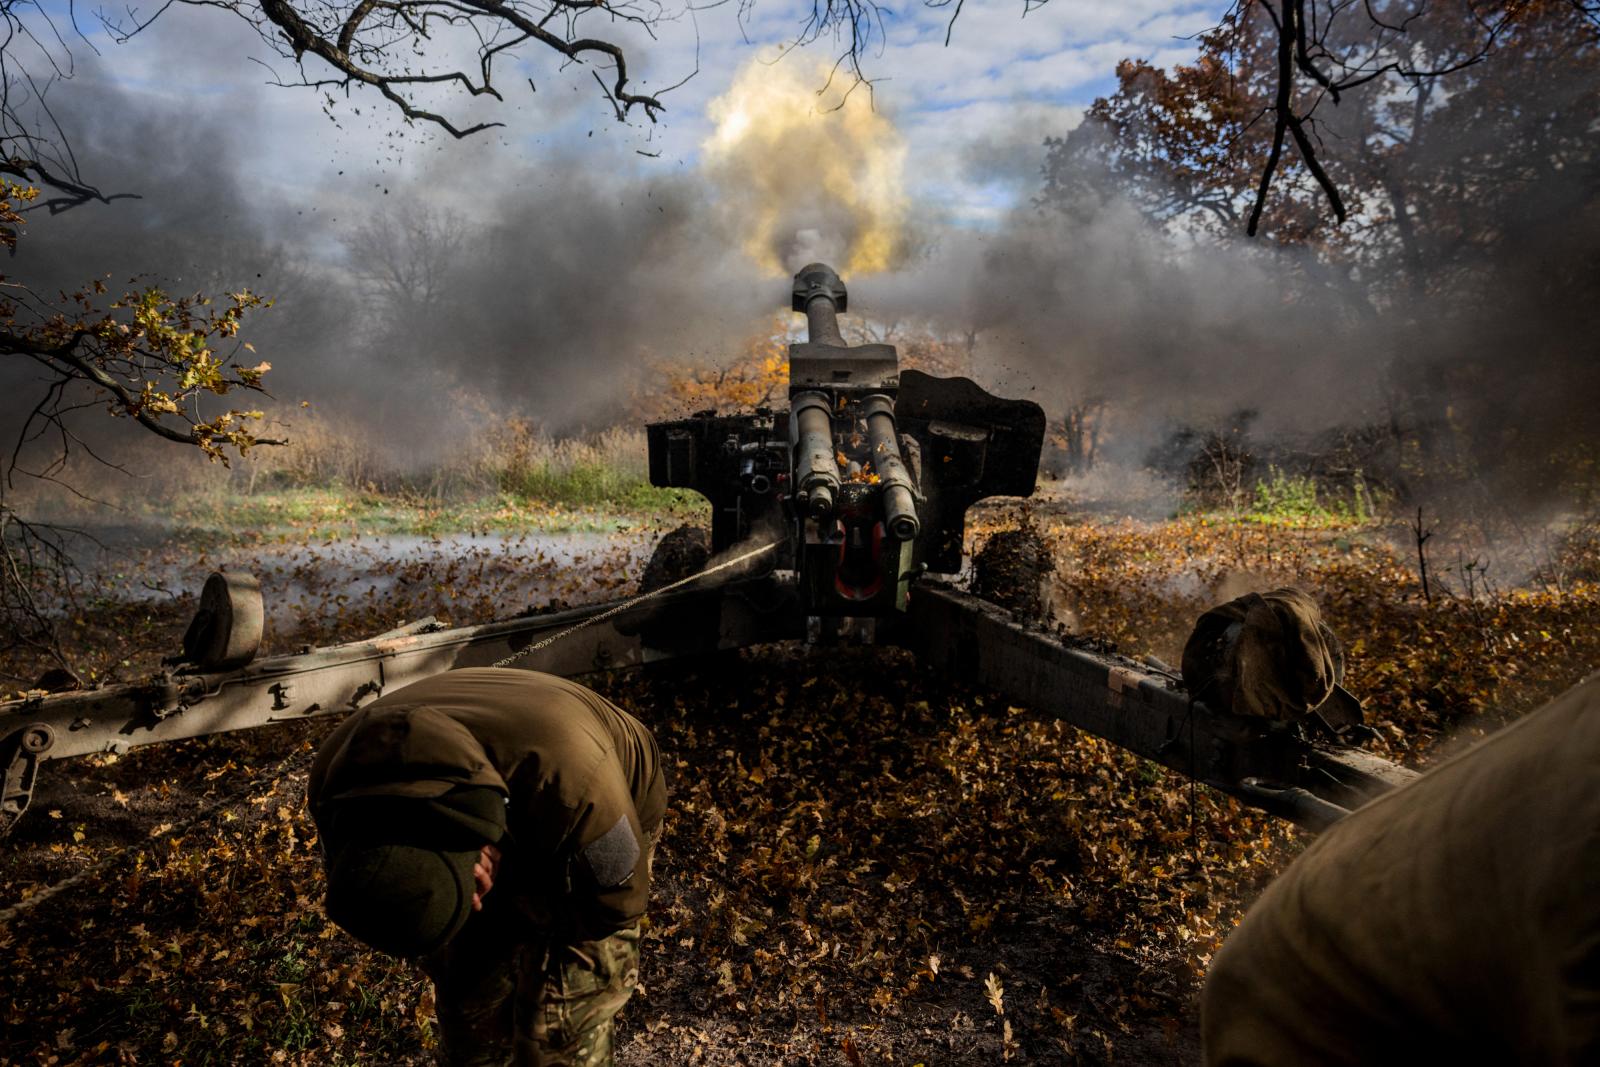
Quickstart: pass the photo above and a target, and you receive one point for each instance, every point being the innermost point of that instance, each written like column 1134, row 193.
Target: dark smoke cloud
column 1102, row 305
column 563, row 277
column 566, row 282
column 1487, row 361
column 565, row 274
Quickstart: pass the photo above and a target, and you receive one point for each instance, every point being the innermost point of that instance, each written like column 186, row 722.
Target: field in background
column 502, row 476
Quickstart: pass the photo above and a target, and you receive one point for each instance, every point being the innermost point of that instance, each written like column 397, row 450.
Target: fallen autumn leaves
column 862, row 863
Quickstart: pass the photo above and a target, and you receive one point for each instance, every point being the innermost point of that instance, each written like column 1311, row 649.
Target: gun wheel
column 681, row 553
column 1011, row 571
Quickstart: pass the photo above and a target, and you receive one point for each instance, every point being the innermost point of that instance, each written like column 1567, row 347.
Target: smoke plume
column 546, row 286
column 807, row 170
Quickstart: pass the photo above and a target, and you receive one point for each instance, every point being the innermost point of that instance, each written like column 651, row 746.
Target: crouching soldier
column 497, row 826
column 1455, row 920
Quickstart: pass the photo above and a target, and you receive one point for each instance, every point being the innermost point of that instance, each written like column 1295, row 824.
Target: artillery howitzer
column 849, row 503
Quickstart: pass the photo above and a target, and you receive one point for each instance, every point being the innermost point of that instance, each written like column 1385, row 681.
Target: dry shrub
column 513, row 455
column 123, row 476
column 321, row 450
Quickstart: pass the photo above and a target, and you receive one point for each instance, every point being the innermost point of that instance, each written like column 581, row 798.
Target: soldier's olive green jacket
column 1455, row 920
column 583, row 780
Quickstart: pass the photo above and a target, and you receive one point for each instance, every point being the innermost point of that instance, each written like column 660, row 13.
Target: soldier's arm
column 608, row 872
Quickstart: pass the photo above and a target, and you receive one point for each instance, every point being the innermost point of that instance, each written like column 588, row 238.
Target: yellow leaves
column 251, row 376
column 10, row 218
column 994, row 992
column 154, row 402
column 162, row 348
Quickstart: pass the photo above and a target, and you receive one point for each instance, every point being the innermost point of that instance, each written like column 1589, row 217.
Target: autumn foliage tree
column 140, row 353
column 1468, row 95
column 757, row 374
column 146, row 356
column 1460, row 141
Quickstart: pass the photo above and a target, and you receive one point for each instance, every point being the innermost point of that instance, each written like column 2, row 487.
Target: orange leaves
column 757, row 375
column 854, row 852
column 902, row 843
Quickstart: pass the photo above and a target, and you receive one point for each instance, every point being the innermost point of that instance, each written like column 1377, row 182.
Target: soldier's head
column 400, row 867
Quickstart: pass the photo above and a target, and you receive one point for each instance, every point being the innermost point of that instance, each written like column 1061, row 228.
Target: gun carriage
column 846, row 513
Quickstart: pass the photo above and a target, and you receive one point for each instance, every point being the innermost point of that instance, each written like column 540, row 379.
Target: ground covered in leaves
column 861, row 863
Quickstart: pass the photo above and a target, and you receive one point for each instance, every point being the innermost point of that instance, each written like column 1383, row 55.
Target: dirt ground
column 861, row 863
column 842, row 871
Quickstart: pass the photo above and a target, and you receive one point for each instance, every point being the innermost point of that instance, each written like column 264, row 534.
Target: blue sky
column 973, row 115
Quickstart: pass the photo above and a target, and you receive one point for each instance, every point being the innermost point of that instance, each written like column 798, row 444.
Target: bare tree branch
column 380, row 44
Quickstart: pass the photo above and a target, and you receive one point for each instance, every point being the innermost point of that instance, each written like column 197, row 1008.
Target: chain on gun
column 626, row 604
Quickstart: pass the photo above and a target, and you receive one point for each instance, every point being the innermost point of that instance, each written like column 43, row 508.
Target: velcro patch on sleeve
column 612, row 855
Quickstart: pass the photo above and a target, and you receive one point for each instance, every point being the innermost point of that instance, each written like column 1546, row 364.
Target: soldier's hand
column 483, row 873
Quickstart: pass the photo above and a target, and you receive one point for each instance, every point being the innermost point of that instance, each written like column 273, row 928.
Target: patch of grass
column 1304, row 497
column 1283, row 494
column 1298, row 500
column 575, row 501
column 508, row 476
column 588, row 484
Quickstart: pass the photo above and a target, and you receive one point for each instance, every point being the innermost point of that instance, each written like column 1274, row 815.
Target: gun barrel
column 822, row 296
column 816, row 469
column 899, row 503
column 822, row 321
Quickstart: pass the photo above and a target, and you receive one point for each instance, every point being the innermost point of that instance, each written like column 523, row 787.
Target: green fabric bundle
column 400, row 868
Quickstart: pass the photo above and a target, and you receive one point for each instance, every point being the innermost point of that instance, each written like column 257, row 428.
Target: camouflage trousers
column 531, row 1004
column 506, row 998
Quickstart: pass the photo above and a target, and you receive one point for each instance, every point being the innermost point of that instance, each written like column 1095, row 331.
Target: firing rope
column 626, row 604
